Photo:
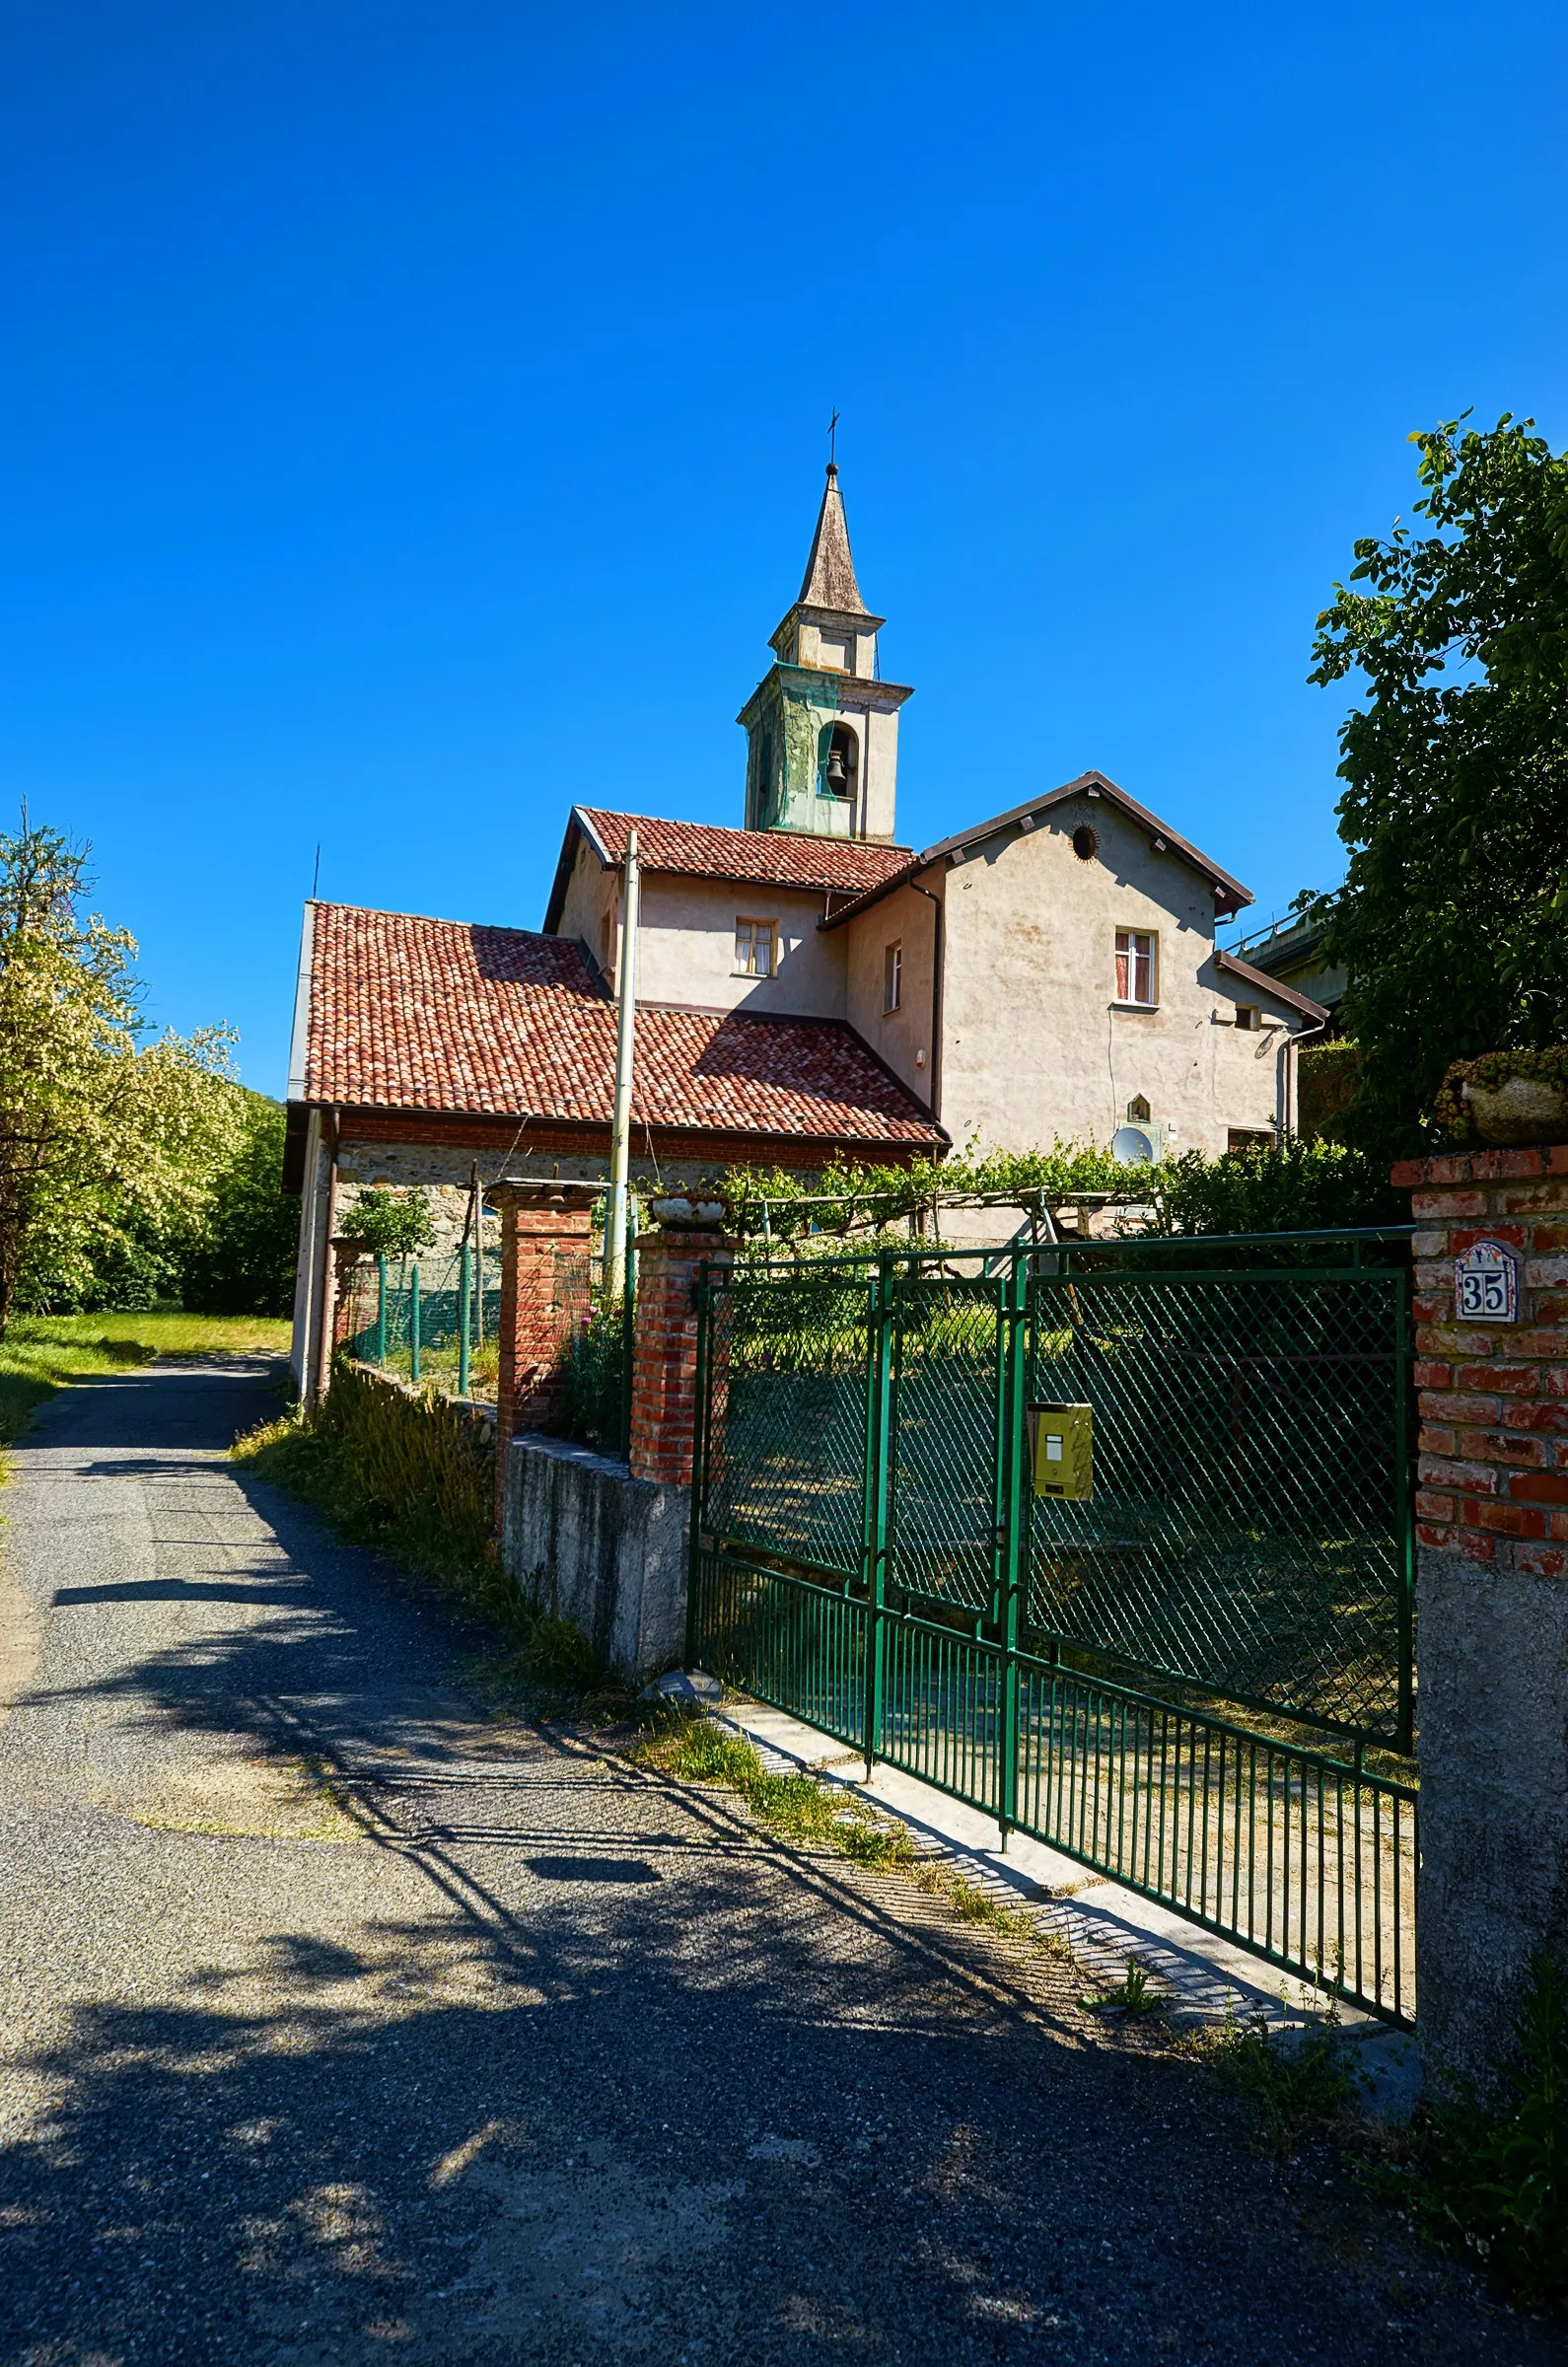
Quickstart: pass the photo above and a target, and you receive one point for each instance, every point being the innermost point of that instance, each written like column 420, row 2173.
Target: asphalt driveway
column 341, row 2024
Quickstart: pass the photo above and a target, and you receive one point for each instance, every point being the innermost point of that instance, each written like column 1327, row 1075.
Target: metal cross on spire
column 832, row 440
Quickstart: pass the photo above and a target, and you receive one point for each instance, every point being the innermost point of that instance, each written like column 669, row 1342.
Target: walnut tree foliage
column 1453, row 924
column 109, row 1144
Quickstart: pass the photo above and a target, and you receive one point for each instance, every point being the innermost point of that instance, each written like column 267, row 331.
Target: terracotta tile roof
column 411, row 1014
column 777, row 858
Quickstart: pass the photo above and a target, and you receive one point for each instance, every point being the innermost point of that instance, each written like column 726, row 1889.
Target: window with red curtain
column 1134, row 965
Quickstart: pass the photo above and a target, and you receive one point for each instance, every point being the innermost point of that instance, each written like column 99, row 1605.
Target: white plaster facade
column 1034, row 1042
column 1014, row 1032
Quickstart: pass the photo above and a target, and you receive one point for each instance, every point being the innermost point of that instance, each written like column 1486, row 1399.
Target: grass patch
column 43, row 1353
column 800, row 1808
column 408, row 1478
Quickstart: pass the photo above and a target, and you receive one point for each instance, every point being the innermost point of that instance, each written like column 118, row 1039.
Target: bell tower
column 821, row 727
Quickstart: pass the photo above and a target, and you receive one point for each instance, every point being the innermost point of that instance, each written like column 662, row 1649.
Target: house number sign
column 1486, row 1285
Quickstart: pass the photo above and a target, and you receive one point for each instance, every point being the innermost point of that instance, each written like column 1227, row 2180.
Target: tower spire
column 829, row 580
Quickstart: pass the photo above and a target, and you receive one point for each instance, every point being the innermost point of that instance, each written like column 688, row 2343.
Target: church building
column 806, row 985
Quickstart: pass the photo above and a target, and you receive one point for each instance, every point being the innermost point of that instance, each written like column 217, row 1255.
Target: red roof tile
column 777, row 858
column 438, row 1015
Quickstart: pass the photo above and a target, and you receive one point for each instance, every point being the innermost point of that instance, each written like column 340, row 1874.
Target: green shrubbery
column 388, row 1224
column 1291, row 1186
column 1490, row 2182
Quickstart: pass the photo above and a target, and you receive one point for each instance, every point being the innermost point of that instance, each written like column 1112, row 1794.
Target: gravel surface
column 501, row 2051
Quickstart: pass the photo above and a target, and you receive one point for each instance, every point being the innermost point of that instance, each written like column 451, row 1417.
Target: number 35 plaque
column 1486, row 1285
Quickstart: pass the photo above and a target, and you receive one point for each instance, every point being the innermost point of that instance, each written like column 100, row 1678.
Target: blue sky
column 413, row 414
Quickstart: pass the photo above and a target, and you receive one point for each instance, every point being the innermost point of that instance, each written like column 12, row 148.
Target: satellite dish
column 1132, row 1146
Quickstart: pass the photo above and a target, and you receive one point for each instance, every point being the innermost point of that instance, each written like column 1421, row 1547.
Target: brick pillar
column 1491, row 1593
column 536, row 1221
column 664, row 1379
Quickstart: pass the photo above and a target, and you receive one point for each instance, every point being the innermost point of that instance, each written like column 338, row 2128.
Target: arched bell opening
column 840, row 762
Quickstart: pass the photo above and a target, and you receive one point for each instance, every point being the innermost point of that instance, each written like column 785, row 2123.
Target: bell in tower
column 821, row 727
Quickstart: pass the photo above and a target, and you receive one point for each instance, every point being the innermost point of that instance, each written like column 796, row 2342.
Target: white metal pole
column 621, row 1126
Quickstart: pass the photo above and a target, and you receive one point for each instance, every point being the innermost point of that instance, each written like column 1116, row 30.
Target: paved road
column 519, row 2055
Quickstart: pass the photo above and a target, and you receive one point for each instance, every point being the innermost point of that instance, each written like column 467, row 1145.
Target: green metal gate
column 1178, row 1681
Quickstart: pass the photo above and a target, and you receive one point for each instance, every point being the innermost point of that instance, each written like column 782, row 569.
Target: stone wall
column 1491, row 1596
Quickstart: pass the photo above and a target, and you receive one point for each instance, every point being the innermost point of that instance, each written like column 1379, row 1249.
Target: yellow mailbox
column 1061, row 1450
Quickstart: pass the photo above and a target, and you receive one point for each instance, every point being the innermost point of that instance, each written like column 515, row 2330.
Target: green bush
column 1285, row 1186
column 594, row 1369
column 388, row 1224
column 1325, row 1087
column 243, row 1261
column 1491, row 2183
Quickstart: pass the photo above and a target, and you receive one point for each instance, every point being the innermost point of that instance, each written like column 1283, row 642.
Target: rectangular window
column 1248, row 1138
column 1250, row 1016
column 1136, row 980
column 757, row 948
column 893, row 978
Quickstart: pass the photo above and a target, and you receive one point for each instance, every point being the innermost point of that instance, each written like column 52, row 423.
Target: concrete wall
column 1033, row 1043
column 592, row 1544
column 1494, row 1799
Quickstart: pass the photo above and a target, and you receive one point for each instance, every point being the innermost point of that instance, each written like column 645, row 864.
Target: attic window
column 1086, row 843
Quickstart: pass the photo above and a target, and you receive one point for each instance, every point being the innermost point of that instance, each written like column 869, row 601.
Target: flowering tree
column 104, row 1139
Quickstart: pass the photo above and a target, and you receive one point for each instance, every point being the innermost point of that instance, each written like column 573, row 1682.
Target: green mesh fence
column 1250, row 1528
column 867, row 1554
column 1247, row 1528
column 390, row 1303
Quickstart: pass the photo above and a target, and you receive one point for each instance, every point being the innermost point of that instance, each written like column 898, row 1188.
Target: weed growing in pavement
column 1491, row 2183
column 1296, row 2081
column 801, row 1807
column 1136, row 1997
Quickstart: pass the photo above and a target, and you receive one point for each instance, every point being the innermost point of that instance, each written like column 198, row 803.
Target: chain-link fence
column 428, row 1318
column 869, row 1552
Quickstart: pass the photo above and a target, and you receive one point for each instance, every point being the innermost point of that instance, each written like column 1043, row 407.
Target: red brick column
column 664, row 1382
column 536, row 1221
column 1494, row 1398
column 1491, row 1597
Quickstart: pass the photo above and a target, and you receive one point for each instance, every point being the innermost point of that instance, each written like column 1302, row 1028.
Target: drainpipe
column 323, row 1346
column 934, row 1099
column 621, row 1124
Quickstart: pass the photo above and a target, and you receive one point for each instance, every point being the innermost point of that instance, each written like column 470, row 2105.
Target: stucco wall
column 686, row 948
column 896, row 1036
column 1034, row 1045
column 591, row 893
